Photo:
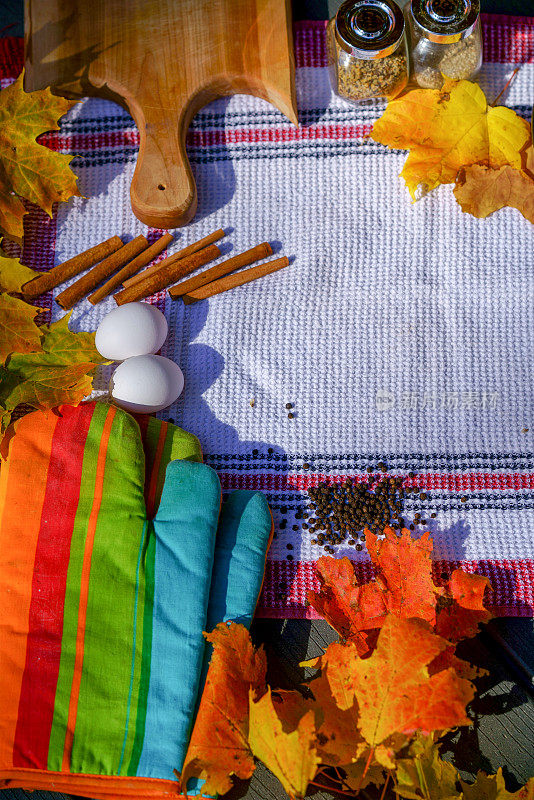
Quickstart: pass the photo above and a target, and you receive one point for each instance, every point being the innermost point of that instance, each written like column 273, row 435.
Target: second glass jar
column 446, row 40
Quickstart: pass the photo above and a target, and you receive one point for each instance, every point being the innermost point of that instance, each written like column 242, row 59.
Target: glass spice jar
column 446, row 40
column 367, row 50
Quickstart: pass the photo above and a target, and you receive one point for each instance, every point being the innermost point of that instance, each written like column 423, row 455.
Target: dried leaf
column 13, row 274
column 360, row 774
column 27, row 169
column 463, row 611
column 61, row 372
column 219, row 744
column 12, row 209
column 492, row 787
column 18, row 331
column 292, row 757
column 448, row 129
column 394, row 690
column 447, row 660
column 480, row 191
column 290, row 707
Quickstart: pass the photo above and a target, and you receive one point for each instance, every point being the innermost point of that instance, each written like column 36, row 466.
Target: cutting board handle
column 163, row 190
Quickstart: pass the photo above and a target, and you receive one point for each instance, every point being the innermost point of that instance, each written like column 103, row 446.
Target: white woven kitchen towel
column 400, row 333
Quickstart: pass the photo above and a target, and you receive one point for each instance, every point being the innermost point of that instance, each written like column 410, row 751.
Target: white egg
column 134, row 329
column 146, row 383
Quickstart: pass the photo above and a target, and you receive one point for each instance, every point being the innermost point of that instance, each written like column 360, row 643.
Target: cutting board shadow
column 162, row 60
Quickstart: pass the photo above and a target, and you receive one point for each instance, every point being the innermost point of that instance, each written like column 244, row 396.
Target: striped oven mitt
column 101, row 608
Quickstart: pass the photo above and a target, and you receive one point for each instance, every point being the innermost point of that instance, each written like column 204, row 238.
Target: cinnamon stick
column 170, row 271
column 68, row 269
column 230, row 265
column 69, row 297
column 144, row 258
column 231, row 281
column 186, row 251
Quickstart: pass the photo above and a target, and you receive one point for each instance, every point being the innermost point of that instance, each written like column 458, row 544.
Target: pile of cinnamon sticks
column 113, row 263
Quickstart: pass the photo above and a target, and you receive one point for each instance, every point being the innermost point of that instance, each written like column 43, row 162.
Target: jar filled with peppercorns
column 446, row 40
column 367, row 51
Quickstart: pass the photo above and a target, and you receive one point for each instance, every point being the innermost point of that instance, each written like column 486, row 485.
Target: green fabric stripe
column 178, row 445
column 109, row 635
column 184, row 446
column 72, row 593
column 134, row 678
column 150, row 563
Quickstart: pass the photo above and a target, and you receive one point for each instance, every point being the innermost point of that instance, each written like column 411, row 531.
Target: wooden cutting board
column 162, row 60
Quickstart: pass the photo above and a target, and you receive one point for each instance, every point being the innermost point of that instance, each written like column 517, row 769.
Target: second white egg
column 146, row 384
column 134, row 329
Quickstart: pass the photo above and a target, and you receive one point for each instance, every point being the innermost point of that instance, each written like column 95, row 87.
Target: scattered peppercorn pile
column 340, row 512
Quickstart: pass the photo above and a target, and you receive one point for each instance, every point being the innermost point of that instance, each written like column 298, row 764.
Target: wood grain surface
column 162, row 60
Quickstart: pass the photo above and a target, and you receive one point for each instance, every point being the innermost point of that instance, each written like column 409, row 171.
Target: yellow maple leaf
column 60, row 372
column 292, row 757
column 18, row 331
column 448, row 129
column 29, row 170
column 493, row 787
column 425, row 774
column 13, row 274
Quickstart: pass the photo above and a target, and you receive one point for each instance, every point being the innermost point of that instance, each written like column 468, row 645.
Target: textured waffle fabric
column 401, row 332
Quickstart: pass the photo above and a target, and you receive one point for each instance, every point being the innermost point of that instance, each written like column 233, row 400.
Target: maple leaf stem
column 383, row 794
column 506, row 85
column 368, row 762
column 331, row 789
column 338, row 773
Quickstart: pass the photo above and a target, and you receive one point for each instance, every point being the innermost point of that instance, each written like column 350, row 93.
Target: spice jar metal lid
column 369, row 28
column 446, row 21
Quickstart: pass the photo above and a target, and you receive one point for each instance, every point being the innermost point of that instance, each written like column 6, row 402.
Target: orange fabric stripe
column 107, row 787
column 84, row 587
column 21, row 503
column 153, row 488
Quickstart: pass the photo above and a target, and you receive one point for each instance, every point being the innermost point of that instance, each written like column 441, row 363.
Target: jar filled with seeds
column 446, row 40
column 367, row 50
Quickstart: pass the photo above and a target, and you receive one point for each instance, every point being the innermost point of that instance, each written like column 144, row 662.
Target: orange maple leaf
column 394, row 690
column 350, row 608
column 219, row 744
column 463, row 609
column 404, row 566
column 403, row 585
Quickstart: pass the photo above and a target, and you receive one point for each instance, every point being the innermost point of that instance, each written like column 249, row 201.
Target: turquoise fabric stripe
column 242, row 541
column 185, row 529
column 245, row 527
